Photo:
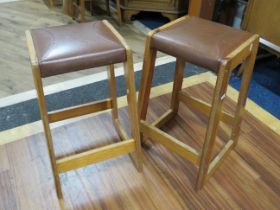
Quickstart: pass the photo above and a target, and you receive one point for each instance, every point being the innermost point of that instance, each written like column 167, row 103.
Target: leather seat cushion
column 200, row 42
column 74, row 47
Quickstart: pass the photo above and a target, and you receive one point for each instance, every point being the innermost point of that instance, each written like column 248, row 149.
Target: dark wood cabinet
column 169, row 8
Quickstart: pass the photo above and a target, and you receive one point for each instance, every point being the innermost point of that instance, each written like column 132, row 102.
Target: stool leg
column 177, row 85
column 146, row 80
column 132, row 108
column 113, row 93
column 219, row 95
column 146, row 83
column 44, row 117
column 246, row 78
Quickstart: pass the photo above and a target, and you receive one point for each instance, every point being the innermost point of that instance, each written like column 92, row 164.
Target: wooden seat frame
column 245, row 54
column 128, row 145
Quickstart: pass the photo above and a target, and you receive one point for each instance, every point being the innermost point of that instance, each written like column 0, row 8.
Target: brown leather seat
column 199, row 41
column 75, row 47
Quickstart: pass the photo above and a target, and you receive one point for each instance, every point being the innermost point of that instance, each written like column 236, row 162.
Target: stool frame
column 128, row 145
column 245, row 54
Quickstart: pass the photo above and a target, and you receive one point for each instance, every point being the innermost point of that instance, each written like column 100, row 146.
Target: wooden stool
column 69, row 48
column 210, row 45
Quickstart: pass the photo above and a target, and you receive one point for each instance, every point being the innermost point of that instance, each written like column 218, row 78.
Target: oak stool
column 210, row 45
column 63, row 49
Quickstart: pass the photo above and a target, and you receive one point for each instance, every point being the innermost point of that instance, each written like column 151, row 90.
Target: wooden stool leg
column 177, row 85
column 246, row 78
column 146, row 80
column 219, row 95
column 132, row 108
column 44, row 117
column 113, row 93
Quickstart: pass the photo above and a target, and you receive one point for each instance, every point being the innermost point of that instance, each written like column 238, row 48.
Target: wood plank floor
column 18, row 16
column 248, row 179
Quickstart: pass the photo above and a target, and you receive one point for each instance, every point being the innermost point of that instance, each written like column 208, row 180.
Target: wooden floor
column 248, row 179
column 18, row 16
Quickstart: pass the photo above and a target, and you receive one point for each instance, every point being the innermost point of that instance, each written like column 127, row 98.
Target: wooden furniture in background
column 225, row 11
column 232, row 48
column 127, row 8
column 77, row 9
column 51, row 2
column 117, row 50
column 263, row 17
column 168, row 8
column 207, row 9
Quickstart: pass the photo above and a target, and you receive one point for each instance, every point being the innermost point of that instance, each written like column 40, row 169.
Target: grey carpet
column 28, row 111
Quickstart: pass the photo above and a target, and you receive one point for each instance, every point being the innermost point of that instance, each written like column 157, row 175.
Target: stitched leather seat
column 199, row 41
column 75, row 47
